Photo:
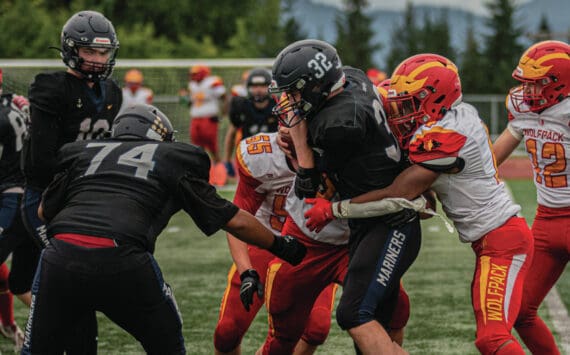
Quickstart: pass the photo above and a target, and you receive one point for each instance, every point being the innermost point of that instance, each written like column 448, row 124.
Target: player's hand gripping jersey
column 547, row 141
column 469, row 189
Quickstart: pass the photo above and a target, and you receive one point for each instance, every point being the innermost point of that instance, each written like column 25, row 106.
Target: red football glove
column 319, row 215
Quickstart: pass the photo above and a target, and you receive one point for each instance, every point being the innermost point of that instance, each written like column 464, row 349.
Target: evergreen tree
column 405, row 39
column 502, row 48
column 544, row 31
column 473, row 66
column 291, row 29
column 354, row 41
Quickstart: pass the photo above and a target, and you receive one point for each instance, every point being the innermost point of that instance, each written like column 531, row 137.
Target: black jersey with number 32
column 127, row 190
column 64, row 109
column 357, row 149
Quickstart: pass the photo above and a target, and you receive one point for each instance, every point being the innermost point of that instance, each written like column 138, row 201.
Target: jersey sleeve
column 246, row 197
column 189, row 167
column 218, row 86
column 437, row 149
column 200, row 200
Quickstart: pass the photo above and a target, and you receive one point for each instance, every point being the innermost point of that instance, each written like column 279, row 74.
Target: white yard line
column 557, row 312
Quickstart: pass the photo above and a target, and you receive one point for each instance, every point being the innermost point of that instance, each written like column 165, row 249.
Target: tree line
column 260, row 28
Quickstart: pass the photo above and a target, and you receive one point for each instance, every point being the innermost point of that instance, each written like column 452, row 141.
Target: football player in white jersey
column 207, row 94
column 134, row 92
column 450, row 151
column 539, row 115
column 265, row 180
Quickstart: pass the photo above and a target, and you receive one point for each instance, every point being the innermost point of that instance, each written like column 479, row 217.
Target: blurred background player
column 66, row 106
column 240, row 89
column 206, row 95
column 14, row 110
column 134, row 92
column 539, row 112
column 251, row 114
column 266, row 177
column 100, row 255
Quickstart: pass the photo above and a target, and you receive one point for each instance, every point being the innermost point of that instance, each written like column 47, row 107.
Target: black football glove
column 250, row 285
column 397, row 219
column 307, row 183
column 288, row 249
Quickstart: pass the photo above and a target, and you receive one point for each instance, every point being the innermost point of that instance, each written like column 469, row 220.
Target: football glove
column 288, row 249
column 230, row 168
column 319, row 215
column 250, row 285
column 307, row 182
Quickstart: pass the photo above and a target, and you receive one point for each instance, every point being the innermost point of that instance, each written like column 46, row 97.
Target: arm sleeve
column 46, row 108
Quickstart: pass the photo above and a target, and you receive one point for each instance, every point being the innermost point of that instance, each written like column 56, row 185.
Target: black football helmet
column 258, row 76
column 88, row 29
column 141, row 121
column 311, row 68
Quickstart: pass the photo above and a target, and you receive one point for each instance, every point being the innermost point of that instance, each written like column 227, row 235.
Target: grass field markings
column 560, row 319
column 557, row 311
column 173, row 229
column 434, row 229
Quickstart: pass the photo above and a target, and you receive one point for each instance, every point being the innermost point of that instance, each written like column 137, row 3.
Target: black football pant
column 124, row 284
column 14, row 239
column 378, row 257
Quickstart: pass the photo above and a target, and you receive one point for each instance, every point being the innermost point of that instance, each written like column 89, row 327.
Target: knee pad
column 318, row 327
column 227, row 336
column 348, row 318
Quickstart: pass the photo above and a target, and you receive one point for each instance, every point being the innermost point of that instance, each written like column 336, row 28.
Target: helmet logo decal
column 101, row 40
column 320, row 64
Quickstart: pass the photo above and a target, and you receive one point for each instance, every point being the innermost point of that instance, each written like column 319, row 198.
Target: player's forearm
column 240, row 254
column 504, row 146
column 411, row 183
column 248, row 229
column 304, row 153
column 229, row 143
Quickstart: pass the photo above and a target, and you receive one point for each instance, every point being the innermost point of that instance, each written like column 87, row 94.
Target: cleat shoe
column 15, row 334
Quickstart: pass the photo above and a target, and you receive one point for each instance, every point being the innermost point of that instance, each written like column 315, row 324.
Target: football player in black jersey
column 13, row 236
column 65, row 106
column 100, row 254
column 250, row 115
column 339, row 127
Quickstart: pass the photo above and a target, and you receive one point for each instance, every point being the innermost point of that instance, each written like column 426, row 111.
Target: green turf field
column 438, row 283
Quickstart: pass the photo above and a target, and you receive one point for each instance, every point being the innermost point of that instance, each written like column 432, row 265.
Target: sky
column 476, row 6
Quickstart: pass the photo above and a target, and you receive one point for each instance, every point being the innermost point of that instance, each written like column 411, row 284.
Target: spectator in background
column 134, row 92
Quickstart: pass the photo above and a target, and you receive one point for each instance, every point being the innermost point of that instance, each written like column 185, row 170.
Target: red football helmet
column 544, row 71
column 422, row 89
column 199, row 72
